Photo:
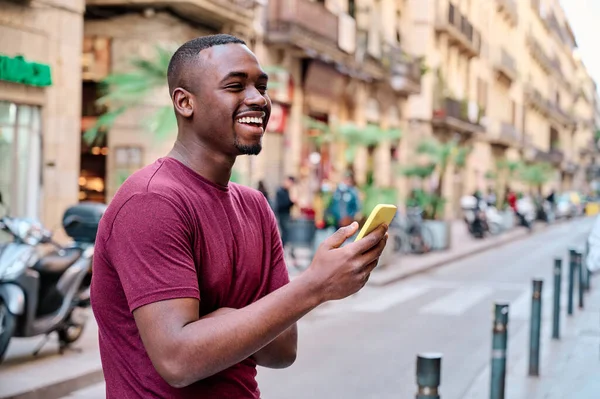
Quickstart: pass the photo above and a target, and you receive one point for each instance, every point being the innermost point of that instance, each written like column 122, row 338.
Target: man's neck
column 207, row 163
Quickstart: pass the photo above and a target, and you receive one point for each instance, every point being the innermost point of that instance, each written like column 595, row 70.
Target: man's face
column 232, row 107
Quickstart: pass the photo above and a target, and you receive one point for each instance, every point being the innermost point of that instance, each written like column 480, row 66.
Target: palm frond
column 163, row 123
column 103, row 123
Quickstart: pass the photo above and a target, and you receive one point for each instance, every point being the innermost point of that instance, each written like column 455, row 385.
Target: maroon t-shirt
column 169, row 233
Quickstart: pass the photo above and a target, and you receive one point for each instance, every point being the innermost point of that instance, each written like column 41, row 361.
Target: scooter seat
column 55, row 263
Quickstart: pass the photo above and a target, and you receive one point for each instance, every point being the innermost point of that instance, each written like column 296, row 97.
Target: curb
column 60, row 389
column 451, row 259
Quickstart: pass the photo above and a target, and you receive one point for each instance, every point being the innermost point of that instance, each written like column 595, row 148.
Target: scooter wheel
column 73, row 330
column 8, row 323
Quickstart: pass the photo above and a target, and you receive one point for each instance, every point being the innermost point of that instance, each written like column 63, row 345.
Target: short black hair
column 189, row 50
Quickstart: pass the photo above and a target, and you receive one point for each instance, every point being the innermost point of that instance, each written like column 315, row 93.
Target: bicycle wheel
column 423, row 240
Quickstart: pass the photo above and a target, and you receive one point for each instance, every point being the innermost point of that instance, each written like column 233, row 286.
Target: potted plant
column 440, row 157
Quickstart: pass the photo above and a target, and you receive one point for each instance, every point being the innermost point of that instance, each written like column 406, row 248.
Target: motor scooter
column 46, row 291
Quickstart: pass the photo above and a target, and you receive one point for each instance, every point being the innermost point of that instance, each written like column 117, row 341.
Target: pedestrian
column 190, row 290
column 284, row 204
column 263, row 189
column 345, row 203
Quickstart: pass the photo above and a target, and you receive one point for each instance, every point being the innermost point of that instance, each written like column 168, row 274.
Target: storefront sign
column 17, row 70
column 278, row 118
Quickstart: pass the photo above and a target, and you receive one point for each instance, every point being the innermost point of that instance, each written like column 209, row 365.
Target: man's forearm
column 208, row 346
column 281, row 352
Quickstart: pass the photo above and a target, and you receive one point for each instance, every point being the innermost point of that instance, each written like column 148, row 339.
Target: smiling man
column 190, row 289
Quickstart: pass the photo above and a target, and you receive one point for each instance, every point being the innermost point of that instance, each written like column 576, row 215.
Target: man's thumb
column 342, row 234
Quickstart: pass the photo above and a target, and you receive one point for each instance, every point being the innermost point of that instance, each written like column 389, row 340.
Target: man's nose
column 255, row 97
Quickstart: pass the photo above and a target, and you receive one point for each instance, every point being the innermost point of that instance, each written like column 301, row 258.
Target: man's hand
column 340, row 272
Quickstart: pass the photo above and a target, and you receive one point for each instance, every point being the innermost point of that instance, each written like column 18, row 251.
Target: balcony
column 302, row 23
column 505, row 65
column 405, row 70
column 503, row 134
column 460, row 31
column 539, row 54
column 311, row 28
column 556, row 156
column 509, row 9
column 457, row 115
column 212, row 13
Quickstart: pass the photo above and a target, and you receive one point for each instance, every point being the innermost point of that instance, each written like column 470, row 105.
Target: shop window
column 20, row 158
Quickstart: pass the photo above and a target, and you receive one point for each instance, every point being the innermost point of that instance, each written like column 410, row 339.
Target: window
column 513, row 114
column 20, row 158
column 352, row 8
column 481, row 93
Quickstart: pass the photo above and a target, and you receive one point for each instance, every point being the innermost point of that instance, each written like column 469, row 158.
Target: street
column 365, row 346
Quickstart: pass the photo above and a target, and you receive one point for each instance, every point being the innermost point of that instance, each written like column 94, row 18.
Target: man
column 284, row 204
column 190, row 290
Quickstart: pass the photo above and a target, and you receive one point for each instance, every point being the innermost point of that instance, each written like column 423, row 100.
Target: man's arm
column 281, row 352
column 184, row 349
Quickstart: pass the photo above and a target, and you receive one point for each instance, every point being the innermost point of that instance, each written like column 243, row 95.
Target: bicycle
column 413, row 236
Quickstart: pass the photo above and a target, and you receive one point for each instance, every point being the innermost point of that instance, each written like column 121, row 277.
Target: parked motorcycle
column 476, row 216
column 42, row 293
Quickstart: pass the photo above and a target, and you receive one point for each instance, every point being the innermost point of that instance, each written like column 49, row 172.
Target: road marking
column 458, row 301
column 381, row 303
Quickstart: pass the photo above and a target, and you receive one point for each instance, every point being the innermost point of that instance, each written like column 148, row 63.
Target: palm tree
column 128, row 90
column 536, row 175
column 442, row 155
column 352, row 137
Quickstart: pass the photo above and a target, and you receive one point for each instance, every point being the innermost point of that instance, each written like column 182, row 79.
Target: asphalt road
column 366, row 346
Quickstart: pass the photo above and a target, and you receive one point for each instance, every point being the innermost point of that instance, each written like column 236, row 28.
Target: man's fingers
column 371, row 257
column 342, row 234
column 369, row 241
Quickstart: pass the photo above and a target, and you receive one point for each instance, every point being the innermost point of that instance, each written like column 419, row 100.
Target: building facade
column 40, row 100
column 507, row 83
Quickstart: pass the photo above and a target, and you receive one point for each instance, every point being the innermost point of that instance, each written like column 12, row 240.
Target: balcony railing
column 509, row 132
column 556, row 156
column 548, row 108
column 301, row 21
column 510, row 9
column 457, row 115
column 506, row 65
column 405, row 70
column 212, row 13
column 539, row 54
column 459, row 28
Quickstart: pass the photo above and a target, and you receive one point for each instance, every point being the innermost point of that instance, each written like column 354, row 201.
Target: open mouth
column 255, row 121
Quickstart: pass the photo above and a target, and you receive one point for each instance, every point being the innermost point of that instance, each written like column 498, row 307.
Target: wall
column 50, row 32
column 130, row 34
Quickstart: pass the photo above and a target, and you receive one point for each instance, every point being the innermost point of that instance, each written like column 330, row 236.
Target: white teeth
column 250, row 120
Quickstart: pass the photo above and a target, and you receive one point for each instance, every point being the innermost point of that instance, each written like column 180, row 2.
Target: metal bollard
column 557, row 289
column 499, row 344
column 572, row 255
column 429, row 371
column 580, row 272
column 535, row 328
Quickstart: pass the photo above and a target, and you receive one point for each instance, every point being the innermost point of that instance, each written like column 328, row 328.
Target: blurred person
column 284, row 203
column 263, row 189
column 345, row 203
column 190, row 290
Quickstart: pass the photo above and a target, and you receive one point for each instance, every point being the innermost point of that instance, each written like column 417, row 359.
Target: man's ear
column 183, row 101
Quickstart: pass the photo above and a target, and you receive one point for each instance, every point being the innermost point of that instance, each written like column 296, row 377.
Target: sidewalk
column 569, row 367
column 462, row 246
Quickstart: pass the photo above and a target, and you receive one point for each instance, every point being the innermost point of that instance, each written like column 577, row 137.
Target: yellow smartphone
column 383, row 213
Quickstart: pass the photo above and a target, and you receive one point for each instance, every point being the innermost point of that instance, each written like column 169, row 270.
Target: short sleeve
column 150, row 247
column 279, row 275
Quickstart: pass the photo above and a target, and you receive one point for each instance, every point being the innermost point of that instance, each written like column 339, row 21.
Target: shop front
column 39, row 107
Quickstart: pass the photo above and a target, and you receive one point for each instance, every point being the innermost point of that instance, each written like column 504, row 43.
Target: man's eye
column 235, row 86
column 262, row 88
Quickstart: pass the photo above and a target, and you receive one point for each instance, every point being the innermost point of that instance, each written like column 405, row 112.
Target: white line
column 458, row 301
column 383, row 302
